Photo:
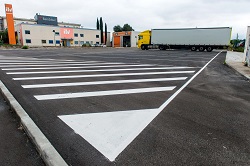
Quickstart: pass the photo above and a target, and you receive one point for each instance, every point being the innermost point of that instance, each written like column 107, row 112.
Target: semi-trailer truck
column 190, row 38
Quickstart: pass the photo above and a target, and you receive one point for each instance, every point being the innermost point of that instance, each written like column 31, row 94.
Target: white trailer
column 192, row 38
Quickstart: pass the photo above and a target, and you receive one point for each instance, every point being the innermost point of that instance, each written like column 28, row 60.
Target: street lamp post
column 54, row 36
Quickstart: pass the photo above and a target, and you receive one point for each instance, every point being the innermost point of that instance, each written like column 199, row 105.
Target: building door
column 117, row 41
column 126, row 41
column 68, row 43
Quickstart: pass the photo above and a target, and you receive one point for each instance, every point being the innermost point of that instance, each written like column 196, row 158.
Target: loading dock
column 125, row 39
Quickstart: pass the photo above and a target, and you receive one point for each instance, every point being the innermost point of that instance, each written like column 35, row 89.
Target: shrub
column 25, row 47
column 86, row 45
column 239, row 49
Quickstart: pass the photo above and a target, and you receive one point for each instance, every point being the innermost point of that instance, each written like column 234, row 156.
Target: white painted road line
column 109, row 132
column 75, row 67
column 3, row 57
column 103, row 82
column 103, row 75
column 81, row 71
column 109, row 139
column 102, row 93
column 43, row 62
column 75, row 64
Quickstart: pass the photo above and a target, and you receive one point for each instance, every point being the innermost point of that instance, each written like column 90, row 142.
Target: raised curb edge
column 48, row 153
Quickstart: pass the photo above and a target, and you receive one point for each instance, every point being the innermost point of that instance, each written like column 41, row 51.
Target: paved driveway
column 128, row 106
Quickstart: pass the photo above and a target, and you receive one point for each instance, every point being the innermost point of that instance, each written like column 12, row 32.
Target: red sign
column 66, row 33
column 10, row 23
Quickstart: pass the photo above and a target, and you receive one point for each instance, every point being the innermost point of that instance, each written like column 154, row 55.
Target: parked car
column 98, row 45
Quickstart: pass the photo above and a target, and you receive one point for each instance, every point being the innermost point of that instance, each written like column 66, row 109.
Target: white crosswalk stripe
column 75, row 67
column 40, row 62
column 36, row 66
column 81, row 71
column 102, row 93
column 103, row 82
column 103, row 75
column 74, row 64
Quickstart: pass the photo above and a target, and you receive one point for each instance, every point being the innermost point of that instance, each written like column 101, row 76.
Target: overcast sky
column 141, row 14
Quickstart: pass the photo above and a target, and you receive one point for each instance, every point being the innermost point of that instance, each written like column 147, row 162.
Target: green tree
column 101, row 28
column 127, row 27
column 117, row 28
column 97, row 24
column 106, row 33
column 4, row 36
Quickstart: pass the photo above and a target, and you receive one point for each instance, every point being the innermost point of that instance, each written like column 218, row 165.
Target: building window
column 28, row 40
column 57, row 33
column 57, row 41
column 81, row 35
column 76, row 42
column 97, row 36
column 27, row 31
column 50, row 41
column 87, row 42
column 82, row 42
column 97, row 43
column 43, row 41
column 76, row 34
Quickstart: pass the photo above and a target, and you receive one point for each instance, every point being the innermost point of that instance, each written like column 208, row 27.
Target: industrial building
column 125, row 39
column 47, row 31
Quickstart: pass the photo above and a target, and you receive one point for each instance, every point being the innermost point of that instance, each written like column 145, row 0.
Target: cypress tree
column 106, row 33
column 97, row 24
column 101, row 28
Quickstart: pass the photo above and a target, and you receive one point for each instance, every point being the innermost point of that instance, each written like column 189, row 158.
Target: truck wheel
column 143, row 47
column 209, row 49
column 193, row 48
column 162, row 48
column 201, row 49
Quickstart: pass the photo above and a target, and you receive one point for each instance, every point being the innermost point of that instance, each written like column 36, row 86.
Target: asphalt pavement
column 15, row 146
column 132, row 107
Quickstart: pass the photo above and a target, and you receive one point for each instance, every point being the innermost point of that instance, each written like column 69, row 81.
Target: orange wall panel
column 10, row 23
column 117, row 41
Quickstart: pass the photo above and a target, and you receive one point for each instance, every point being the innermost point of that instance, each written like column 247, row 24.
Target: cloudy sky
column 141, row 14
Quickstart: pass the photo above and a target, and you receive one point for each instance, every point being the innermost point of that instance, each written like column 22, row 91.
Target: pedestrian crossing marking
column 102, row 75
column 74, row 64
column 113, row 125
column 109, row 132
column 103, row 82
column 81, row 71
column 78, row 66
column 102, row 93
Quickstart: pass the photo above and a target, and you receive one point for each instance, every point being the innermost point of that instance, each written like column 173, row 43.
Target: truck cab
column 144, row 39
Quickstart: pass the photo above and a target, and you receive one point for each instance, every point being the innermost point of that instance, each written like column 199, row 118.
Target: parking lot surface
column 131, row 107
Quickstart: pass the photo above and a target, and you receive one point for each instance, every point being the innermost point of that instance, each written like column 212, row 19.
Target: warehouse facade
column 47, row 31
column 125, row 39
column 43, row 35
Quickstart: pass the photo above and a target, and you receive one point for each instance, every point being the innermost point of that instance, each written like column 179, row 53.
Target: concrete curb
column 234, row 60
column 48, row 153
column 237, row 70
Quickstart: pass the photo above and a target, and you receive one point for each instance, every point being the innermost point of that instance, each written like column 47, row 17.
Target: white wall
column 108, row 40
column 38, row 33
column 134, row 38
column 247, row 47
column 89, row 36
